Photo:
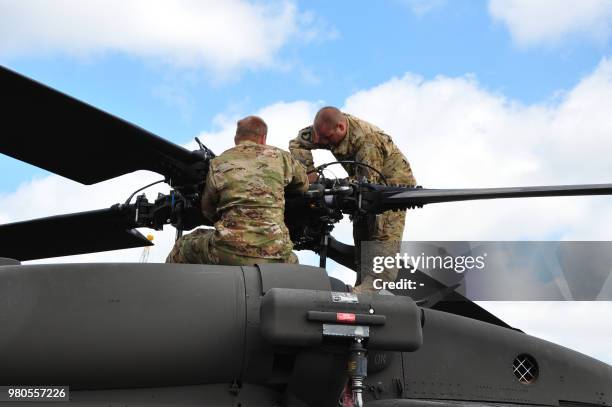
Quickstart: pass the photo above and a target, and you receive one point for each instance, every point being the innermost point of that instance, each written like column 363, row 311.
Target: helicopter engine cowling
column 120, row 325
column 114, row 326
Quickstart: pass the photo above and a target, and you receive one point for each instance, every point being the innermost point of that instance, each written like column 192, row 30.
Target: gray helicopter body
column 134, row 334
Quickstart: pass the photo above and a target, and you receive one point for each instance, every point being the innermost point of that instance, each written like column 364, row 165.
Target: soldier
column 350, row 138
column 245, row 198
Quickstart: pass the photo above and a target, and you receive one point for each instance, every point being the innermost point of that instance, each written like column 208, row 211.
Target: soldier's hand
column 313, row 177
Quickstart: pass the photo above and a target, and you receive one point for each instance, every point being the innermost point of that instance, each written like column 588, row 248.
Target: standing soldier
column 350, row 138
column 245, row 198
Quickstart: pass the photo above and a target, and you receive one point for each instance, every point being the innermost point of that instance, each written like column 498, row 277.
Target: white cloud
column 218, row 35
column 458, row 135
column 283, row 120
column 550, row 21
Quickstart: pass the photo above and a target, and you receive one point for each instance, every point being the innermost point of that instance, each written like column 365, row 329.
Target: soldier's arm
column 409, row 178
column 295, row 173
column 210, row 198
column 370, row 154
column 301, row 146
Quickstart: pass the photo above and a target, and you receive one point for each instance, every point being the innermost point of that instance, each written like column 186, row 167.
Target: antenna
column 144, row 256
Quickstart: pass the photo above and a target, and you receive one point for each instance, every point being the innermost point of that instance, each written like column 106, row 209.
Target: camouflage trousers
column 386, row 231
column 198, row 247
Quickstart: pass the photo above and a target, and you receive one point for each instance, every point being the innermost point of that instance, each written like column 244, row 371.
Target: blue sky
column 353, row 46
column 476, row 93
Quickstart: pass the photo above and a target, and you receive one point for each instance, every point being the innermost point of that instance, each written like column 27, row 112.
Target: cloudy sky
column 476, row 93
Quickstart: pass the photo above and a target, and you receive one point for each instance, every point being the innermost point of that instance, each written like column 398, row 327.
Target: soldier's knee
column 293, row 259
column 175, row 254
column 192, row 248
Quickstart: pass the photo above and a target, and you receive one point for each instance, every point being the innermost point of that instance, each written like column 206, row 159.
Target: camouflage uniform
column 368, row 144
column 245, row 197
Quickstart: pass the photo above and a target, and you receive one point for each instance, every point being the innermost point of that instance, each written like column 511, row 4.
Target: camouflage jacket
column 365, row 143
column 245, row 197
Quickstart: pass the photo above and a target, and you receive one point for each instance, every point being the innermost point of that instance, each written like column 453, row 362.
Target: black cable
column 323, row 166
column 145, row 187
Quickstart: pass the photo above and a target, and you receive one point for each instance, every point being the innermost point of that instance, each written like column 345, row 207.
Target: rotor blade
column 403, row 197
column 58, row 133
column 65, row 235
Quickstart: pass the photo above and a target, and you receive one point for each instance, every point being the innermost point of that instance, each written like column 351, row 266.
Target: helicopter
column 268, row 335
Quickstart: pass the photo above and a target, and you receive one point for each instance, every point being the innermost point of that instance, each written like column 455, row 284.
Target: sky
column 475, row 93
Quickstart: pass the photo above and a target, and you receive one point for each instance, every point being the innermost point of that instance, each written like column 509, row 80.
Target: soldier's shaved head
column 327, row 117
column 329, row 126
column 251, row 128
